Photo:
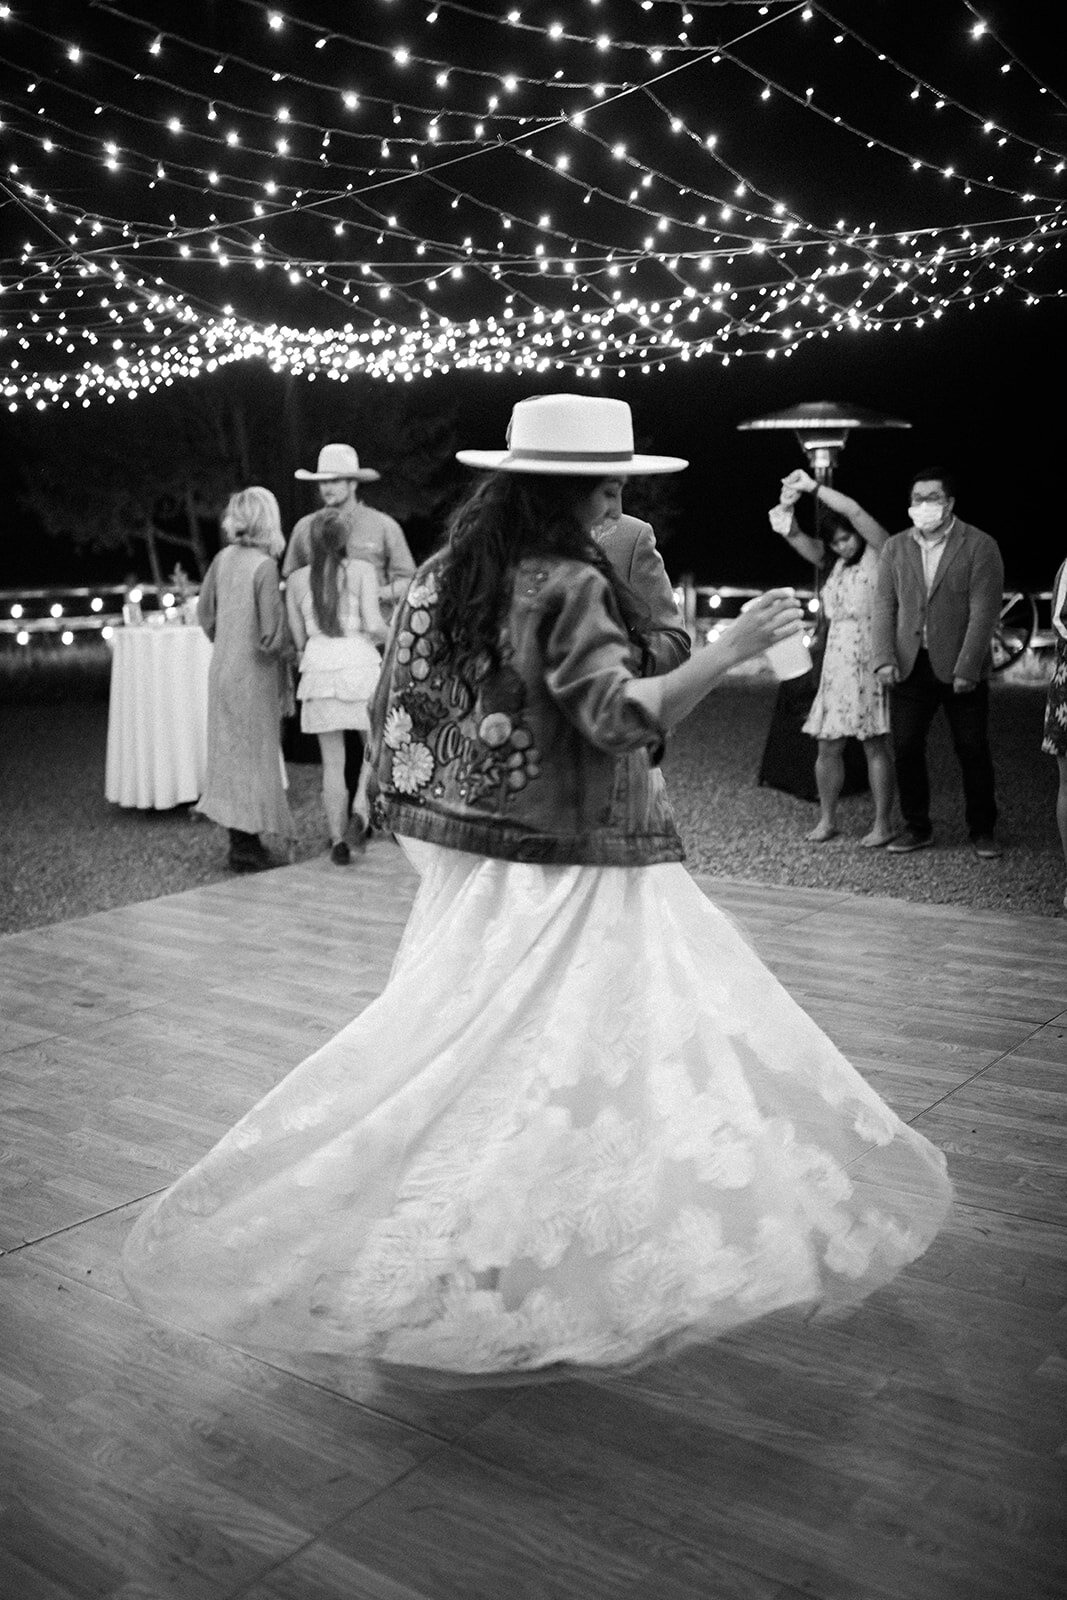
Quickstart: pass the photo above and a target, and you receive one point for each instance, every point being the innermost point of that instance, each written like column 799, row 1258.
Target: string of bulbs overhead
column 404, row 201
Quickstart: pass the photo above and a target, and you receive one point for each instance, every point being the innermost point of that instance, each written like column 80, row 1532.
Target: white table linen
column 157, row 716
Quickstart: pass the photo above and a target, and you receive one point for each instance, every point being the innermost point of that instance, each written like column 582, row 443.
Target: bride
column 583, row 1124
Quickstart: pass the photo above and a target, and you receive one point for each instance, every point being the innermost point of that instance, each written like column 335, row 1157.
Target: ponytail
column 329, row 547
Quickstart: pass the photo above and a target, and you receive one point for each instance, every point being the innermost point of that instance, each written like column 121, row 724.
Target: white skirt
column 338, row 676
column 582, row 1125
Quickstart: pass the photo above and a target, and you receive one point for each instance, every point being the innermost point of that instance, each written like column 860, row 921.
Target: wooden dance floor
column 911, row 1452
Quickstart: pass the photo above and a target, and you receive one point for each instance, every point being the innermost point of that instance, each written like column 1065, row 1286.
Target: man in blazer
column 630, row 546
column 939, row 594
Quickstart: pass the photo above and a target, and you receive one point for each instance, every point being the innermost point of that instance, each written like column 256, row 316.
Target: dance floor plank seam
column 912, row 1450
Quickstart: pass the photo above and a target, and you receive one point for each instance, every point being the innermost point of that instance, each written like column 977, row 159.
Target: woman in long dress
column 849, row 702
column 240, row 609
column 336, row 621
column 583, row 1124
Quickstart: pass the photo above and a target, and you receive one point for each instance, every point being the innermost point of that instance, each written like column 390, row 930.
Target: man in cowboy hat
column 372, row 536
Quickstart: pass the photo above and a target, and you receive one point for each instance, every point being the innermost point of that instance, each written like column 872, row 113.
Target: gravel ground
column 65, row 852
column 736, row 829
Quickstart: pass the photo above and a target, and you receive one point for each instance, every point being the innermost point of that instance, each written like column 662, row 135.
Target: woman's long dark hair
column 506, row 517
column 329, row 546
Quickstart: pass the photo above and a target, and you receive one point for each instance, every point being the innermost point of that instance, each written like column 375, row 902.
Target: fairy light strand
column 611, row 255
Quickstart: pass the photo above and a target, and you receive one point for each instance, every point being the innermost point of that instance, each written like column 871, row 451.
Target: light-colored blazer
column 959, row 614
column 630, row 546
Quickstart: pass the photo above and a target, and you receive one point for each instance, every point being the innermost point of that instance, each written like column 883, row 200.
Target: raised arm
column 783, row 520
column 865, row 525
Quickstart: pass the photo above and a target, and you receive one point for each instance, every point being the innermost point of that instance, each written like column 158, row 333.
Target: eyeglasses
column 929, row 500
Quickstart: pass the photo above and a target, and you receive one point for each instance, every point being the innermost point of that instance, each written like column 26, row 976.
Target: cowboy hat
column 338, row 461
column 581, row 434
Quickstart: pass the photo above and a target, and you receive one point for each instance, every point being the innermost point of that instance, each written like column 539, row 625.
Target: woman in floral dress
column 1054, row 742
column 849, row 702
column 583, row 1124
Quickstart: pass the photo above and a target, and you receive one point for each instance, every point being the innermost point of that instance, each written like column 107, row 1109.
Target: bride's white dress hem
column 582, row 1125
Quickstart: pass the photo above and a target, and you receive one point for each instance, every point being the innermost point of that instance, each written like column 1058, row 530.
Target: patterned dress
column 849, row 702
column 1054, row 742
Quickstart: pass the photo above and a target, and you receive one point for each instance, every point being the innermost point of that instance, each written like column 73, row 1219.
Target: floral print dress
column 1054, row 742
column 849, row 702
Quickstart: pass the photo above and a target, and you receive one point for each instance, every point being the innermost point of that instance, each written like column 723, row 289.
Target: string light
column 378, row 220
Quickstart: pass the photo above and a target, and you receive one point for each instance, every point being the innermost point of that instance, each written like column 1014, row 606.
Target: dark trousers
column 353, row 761
column 913, row 705
column 245, row 847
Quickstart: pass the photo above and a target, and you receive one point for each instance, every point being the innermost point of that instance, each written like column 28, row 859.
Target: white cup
column 790, row 658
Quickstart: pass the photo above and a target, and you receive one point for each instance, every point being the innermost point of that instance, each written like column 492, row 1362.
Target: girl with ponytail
column 336, row 623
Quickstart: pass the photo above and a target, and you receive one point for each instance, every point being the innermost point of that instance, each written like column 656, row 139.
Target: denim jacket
column 548, row 761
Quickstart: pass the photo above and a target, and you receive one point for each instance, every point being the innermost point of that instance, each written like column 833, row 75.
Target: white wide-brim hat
column 582, row 434
column 338, row 461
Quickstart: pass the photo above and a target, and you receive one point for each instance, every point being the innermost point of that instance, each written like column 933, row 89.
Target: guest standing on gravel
column 1054, row 742
column 241, row 611
column 850, row 703
column 938, row 599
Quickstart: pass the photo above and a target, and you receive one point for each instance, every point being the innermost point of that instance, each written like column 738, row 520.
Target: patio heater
column 822, row 428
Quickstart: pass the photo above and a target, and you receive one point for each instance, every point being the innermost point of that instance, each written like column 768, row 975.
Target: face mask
column 925, row 516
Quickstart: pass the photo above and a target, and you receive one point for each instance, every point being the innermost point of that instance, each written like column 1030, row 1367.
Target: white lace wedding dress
column 583, row 1124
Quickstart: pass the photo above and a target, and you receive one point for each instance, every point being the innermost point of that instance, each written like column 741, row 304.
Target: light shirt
column 931, row 551
column 372, row 536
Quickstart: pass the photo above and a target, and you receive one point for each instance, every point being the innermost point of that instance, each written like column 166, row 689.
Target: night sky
column 745, row 208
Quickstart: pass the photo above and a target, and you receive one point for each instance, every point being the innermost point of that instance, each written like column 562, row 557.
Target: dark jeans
column 353, row 761
column 913, row 705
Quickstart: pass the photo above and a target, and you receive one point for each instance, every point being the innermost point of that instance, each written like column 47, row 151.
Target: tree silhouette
column 152, row 475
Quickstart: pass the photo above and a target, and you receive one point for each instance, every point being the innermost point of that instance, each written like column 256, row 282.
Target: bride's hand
column 765, row 621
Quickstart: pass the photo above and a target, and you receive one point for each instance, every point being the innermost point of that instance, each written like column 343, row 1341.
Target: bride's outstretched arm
column 673, row 695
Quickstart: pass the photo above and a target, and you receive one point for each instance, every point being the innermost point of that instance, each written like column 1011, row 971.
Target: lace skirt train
column 583, row 1124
